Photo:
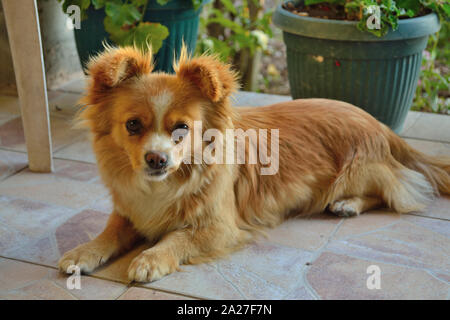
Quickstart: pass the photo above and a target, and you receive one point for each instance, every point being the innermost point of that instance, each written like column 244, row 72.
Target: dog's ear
column 115, row 65
column 215, row 79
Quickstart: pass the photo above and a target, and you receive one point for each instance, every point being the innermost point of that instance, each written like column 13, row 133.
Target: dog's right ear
column 115, row 65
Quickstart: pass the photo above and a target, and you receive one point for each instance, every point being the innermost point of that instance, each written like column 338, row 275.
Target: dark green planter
column 178, row 16
column 333, row 59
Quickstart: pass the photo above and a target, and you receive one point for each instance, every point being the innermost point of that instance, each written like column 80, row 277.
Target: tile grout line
column 412, row 124
column 122, row 294
column 217, row 267
column 315, row 256
column 136, row 285
column 425, row 139
column 54, row 157
column 14, row 173
column 427, row 217
column 356, row 256
column 356, row 235
column 128, row 284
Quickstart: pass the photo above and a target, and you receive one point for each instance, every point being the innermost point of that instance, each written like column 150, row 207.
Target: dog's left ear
column 115, row 65
column 215, row 79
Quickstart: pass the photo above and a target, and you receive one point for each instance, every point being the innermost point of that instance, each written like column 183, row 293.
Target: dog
column 332, row 156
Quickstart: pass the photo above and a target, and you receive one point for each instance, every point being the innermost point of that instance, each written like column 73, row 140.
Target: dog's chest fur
column 152, row 212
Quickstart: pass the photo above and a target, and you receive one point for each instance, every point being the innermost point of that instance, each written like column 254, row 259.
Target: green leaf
column 197, row 4
column 162, row 2
column 116, row 33
column 122, row 14
column 227, row 23
column 149, row 33
column 310, row 2
column 229, row 6
column 98, row 4
column 446, row 8
column 140, row 3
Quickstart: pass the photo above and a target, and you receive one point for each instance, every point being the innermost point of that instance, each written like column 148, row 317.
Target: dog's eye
column 182, row 126
column 134, row 126
column 179, row 131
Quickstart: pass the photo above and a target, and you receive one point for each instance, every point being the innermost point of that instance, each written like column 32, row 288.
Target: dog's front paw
column 150, row 266
column 87, row 257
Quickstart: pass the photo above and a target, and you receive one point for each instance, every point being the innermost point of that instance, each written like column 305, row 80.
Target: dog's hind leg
column 354, row 206
column 387, row 184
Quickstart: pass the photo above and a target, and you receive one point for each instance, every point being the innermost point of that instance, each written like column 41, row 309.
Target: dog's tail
column 435, row 169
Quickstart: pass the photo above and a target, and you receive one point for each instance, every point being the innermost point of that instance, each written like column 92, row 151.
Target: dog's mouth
column 156, row 174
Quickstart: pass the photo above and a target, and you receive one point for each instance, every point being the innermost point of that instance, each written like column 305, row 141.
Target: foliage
column 433, row 89
column 390, row 11
column 239, row 30
column 124, row 21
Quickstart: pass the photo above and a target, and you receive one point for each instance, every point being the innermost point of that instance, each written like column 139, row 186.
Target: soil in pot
column 332, row 11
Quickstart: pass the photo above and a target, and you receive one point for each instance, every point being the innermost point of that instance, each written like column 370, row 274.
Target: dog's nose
column 156, row 160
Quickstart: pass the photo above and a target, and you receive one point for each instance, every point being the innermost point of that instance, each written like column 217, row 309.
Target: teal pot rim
column 347, row 30
column 173, row 5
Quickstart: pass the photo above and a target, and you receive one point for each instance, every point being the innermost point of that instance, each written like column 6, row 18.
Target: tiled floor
column 324, row 257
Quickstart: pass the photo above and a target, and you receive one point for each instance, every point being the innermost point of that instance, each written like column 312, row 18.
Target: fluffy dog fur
column 331, row 154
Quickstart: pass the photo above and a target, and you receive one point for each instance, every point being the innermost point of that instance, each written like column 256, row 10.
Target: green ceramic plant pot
column 333, row 59
column 178, row 16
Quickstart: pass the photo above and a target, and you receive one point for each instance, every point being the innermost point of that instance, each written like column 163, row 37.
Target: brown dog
column 330, row 154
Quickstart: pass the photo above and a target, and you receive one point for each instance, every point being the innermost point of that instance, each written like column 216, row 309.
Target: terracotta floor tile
column 430, row 147
column 202, row 281
column 9, row 108
column 16, row 274
column 438, row 208
column 80, row 228
column 27, row 229
column 20, row 280
column 436, row 225
column 136, row 293
column 39, row 290
column 402, row 243
column 411, row 118
column 80, row 150
column 366, row 222
column 116, row 268
column 260, row 271
column 65, row 105
column 431, row 127
column 304, row 233
column 104, row 205
column 335, row 276
column 75, row 86
column 75, row 170
column 11, row 162
column 300, row 293
column 12, row 136
column 68, row 186
column 91, row 288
